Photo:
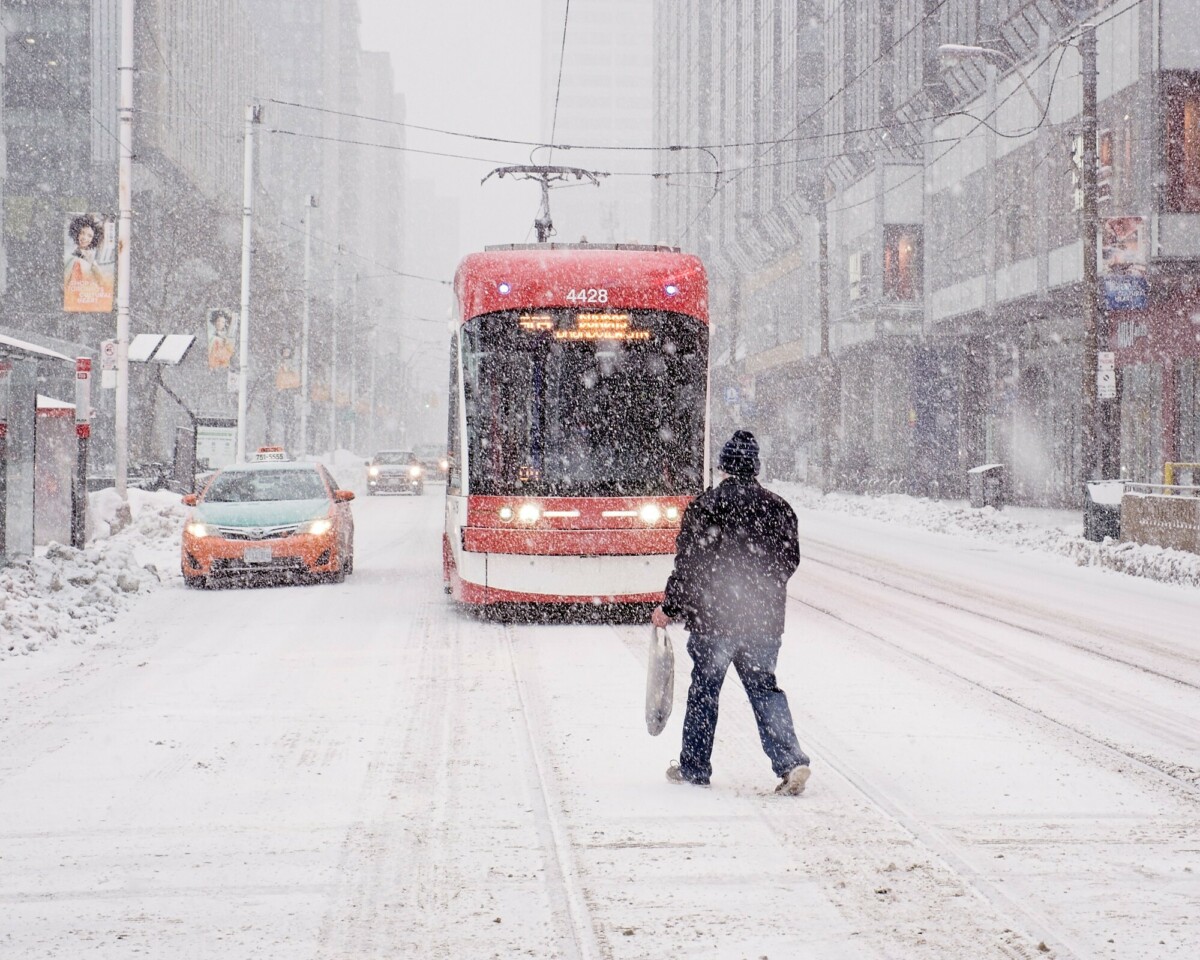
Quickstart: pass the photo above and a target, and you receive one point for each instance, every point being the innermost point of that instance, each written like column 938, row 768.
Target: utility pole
column 354, row 364
column 1090, row 428
column 253, row 116
column 124, row 238
column 371, row 419
column 825, row 378
column 310, row 203
column 333, row 351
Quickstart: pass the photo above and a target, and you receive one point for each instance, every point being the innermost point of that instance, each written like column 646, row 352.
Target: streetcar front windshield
column 564, row 403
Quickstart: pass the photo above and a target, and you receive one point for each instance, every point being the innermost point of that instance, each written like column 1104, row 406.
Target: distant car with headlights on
column 434, row 459
column 274, row 519
column 399, row 471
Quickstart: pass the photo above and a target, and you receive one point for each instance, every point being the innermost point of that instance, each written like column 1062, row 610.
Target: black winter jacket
column 736, row 549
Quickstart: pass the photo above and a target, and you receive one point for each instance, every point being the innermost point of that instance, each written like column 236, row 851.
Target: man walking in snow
column 737, row 547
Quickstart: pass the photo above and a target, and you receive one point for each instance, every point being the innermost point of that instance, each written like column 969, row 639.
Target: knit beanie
column 739, row 456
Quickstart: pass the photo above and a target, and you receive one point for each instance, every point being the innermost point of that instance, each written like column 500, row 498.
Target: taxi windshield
column 243, row 486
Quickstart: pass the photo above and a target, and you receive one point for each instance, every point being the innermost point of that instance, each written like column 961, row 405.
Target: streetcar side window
column 453, row 455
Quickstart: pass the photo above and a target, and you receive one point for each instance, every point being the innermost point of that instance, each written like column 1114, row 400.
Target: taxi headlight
column 506, row 513
column 414, row 471
column 373, row 472
column 197, row 530
column 650, row 513
column 318, row 527
column 529, row 513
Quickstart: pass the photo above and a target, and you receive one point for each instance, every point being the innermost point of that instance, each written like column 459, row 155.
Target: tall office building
column 602, row 96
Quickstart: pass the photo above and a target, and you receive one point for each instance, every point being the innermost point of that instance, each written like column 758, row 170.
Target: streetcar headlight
column 529, row 513
column 197, row 530
column 650, row 513
column 414, row 471
column 318, row 527
column 672, row 513
column 506, row 513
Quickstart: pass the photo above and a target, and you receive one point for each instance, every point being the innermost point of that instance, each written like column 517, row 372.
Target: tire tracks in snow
column 852, row 835
column 1090, row 630
column 1181, row 729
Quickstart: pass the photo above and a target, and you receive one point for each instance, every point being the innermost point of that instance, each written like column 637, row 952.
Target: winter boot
column 675, row 775
column 793, row 784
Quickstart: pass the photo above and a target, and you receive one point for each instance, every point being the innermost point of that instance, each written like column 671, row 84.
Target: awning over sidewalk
column 12, row 346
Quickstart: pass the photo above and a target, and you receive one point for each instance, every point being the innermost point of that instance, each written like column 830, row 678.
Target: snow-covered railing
column 1162, row 515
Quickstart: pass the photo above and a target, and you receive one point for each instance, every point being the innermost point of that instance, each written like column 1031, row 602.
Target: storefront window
column 1189, row 411
column 1141, row 423
column 903, row 255
column 1181, row 92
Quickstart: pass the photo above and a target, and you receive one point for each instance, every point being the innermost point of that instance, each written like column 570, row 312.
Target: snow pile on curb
column 64, row 595
column 938, row 516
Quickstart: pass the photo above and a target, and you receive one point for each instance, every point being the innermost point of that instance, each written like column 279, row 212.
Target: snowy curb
column 63, row 595
column 1152, row 563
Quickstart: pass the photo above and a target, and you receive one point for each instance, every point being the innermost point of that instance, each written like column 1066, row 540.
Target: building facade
column 597, row 90
column 950, row 185
column 737, row 91
column 198, row 67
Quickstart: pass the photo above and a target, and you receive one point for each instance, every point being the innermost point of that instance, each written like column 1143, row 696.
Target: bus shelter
column 19, row 362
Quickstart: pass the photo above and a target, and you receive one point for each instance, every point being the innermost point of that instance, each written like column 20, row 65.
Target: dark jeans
column 754, row 661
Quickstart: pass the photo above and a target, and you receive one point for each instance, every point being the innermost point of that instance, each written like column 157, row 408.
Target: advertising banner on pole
column 287, row 374
column 222, row 338
column 89, row 263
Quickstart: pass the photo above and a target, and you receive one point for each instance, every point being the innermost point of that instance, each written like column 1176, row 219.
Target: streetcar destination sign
column 587, row 326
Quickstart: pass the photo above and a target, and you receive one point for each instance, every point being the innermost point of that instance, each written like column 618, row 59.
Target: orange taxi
column 274, row 518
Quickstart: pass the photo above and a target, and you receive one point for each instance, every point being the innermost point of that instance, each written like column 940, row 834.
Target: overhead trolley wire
column 558, row 86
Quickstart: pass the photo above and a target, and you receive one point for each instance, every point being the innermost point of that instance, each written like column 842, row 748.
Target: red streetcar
column 578, row 421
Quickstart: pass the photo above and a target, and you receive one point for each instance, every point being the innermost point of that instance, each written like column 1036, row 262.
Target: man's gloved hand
column 658, row 618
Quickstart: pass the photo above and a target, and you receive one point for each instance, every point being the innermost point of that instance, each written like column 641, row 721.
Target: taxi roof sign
column 271, row 453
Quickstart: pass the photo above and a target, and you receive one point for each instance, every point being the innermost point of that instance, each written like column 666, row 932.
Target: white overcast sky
column 473, row 66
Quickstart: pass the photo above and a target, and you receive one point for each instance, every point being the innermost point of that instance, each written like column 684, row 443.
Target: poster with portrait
column 1123, row 246
column 89, row 263
column 222, row 338
column 287, row 374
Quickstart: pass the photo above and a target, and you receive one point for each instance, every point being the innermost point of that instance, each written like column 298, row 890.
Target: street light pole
column 354, row 364
column 825, row 375
column 310, row 203
column 333, row 351
column 124, row 238
column 253, row 113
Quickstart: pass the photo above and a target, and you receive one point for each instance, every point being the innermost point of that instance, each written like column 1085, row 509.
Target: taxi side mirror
column 343, row 496
column 190, row 499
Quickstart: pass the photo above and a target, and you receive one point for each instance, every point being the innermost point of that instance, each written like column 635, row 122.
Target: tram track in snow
column 577, row 938
column 1174, row 774
column 779, row 817
column 947, row 588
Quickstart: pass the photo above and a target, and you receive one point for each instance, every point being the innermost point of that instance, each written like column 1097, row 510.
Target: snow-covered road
column 1005, row 750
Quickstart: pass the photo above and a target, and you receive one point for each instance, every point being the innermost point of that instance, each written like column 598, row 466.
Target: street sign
column 1077, row 171
column 731, row 396
column 1123, row 292
column 1106, row 374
